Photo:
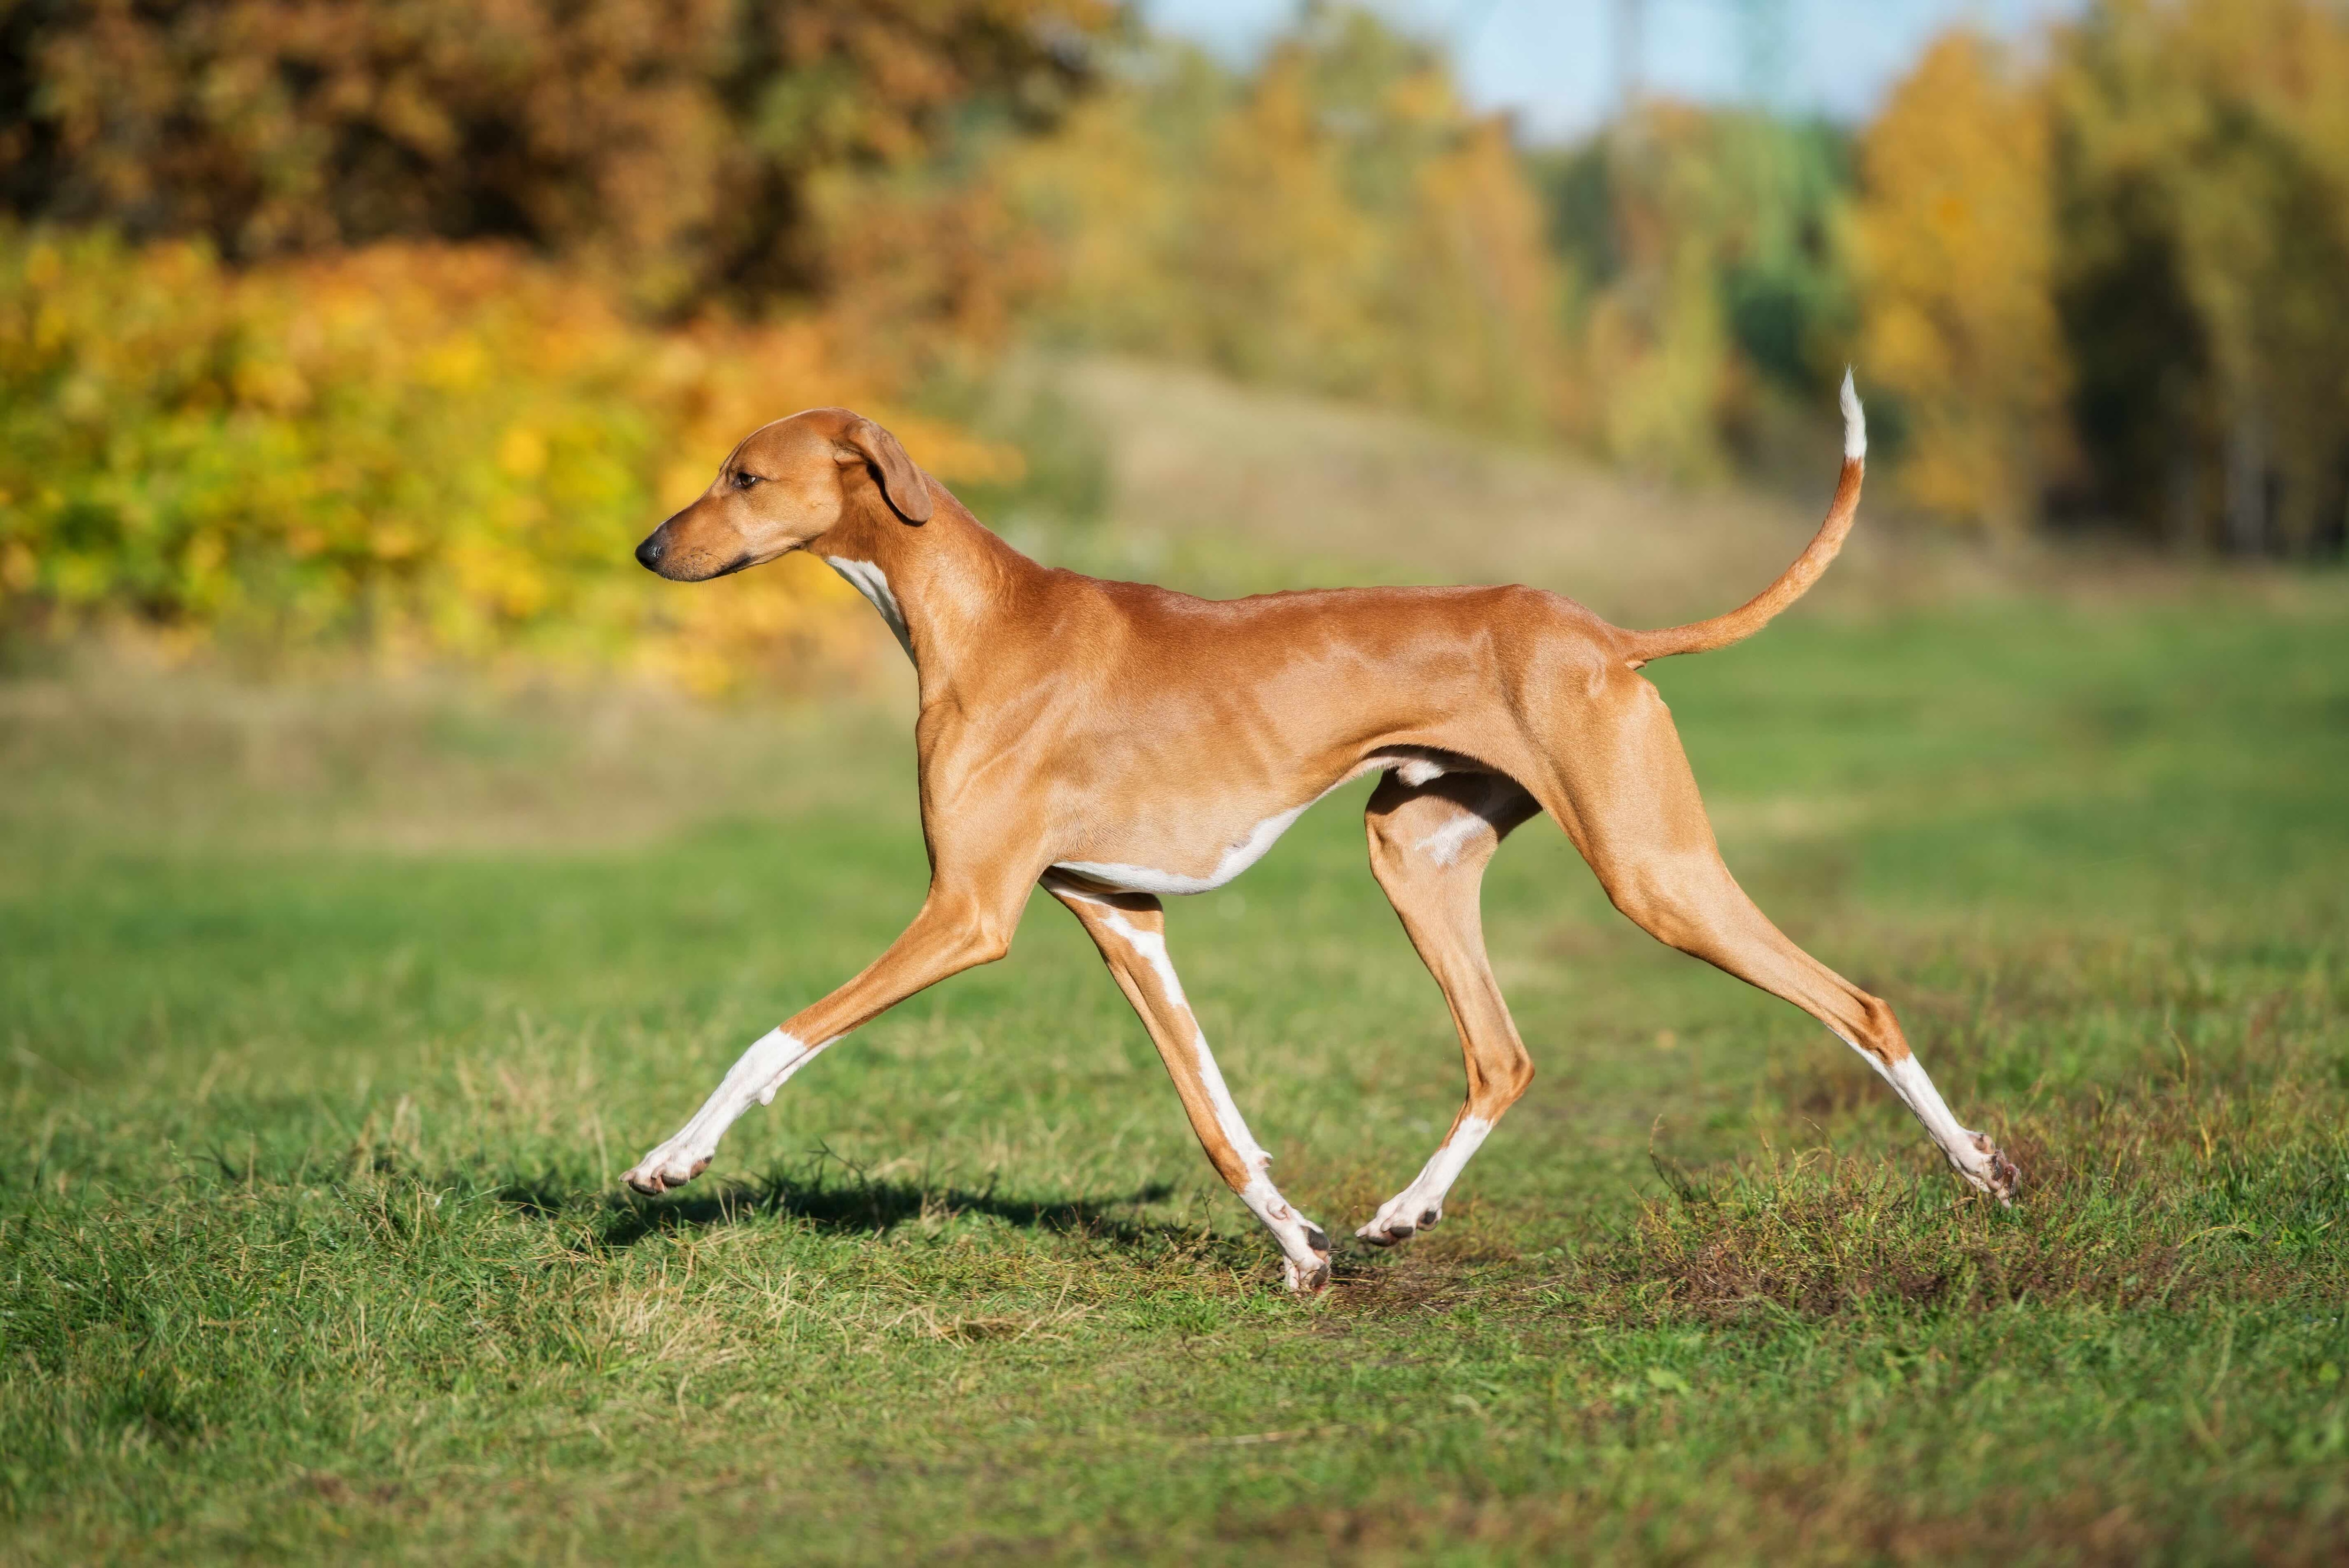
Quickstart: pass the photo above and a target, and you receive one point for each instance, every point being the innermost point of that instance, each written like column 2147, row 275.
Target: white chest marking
column 867, row 579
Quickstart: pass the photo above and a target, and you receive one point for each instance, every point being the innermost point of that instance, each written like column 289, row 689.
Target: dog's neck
column 940, row 585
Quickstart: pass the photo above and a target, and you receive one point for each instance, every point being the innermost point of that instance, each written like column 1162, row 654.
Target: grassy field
column 330, row 1012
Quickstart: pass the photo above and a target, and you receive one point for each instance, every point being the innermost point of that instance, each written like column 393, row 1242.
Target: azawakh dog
column 1116, row 743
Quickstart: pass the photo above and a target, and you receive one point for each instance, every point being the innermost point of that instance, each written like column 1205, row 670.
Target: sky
column 1554, row 63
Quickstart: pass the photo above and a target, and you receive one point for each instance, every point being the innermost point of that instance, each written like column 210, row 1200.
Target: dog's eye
column 744, row 482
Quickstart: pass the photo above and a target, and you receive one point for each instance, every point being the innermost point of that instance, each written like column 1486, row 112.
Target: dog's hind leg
column 1429, row 846
column 1624, row 791
column 957, row 928
column 1129, row 929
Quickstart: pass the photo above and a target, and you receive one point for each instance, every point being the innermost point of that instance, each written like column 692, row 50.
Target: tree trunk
column 2247, row 480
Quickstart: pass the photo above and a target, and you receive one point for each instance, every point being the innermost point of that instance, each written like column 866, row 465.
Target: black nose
column 649, row 553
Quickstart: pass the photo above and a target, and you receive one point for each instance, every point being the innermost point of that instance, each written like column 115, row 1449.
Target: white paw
column 1307, row 1279
column 1990, row 1171
column 1402, row 1217
column 1305, row 1255
column 672, row 1165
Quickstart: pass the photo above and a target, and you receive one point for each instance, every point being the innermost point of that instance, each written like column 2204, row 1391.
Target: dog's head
column 786, row 486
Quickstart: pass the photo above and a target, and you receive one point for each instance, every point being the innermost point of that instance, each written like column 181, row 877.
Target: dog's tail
column 1702, row 636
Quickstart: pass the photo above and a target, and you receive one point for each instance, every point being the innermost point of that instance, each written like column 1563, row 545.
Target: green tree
column 2203, row 176
column 1710, row 293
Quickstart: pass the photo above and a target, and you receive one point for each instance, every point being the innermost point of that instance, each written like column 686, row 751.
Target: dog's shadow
column 848, row 1203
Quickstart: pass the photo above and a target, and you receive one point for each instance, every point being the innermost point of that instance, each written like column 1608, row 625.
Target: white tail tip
column 1855, row 422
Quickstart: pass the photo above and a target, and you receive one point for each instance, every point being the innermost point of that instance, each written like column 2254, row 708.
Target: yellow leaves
column 1955, row 245
column 1341, row 222
column 735, row 624
column 2153, row 222
column 274, row 384
column 42, row 266
column 956, row 456
column 446, row 450
column 2207, row 203
column 679, row 482
column 1659, row 362
column 501, row 575
column 205, row 555
column 522, row 453
column 394, row 541
column 457, row 366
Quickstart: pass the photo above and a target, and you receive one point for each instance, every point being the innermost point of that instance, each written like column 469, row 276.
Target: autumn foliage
column 395, row 323
column 1956, row 252
column 2117, row 280
column 1337, row 221
column 444, row 450
column 1708, row 295
column 670, row 144
column 2202, row 190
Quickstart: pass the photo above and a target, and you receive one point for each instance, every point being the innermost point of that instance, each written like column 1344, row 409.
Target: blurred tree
column 1710, row 292
column 1956, row 249
column 1338, row 223
column 444, row 449
column 2203, row 186
column 672, row 142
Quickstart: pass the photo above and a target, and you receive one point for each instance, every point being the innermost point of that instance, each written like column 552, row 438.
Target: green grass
column 321, row 1054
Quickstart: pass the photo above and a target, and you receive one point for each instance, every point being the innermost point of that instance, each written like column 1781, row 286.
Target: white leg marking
column 1419, row 1206
column 754, row 1077
column 1304, row 1246
column 1970, row 1154
column 1444, row 845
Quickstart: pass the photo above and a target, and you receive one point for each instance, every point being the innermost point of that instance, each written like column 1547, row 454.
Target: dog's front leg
column 956, row 929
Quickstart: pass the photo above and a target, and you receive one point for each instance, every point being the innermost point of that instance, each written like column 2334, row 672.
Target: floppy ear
column 901, row 481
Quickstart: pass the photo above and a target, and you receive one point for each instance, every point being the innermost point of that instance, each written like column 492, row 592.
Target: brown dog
column 1116, row 743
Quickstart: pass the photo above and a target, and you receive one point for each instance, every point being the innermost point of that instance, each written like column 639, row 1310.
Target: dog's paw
column 1306, row 1280
column 1309, row 1274
column 1400, row 1218
column 665, row 1169
column 1998, row 1176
